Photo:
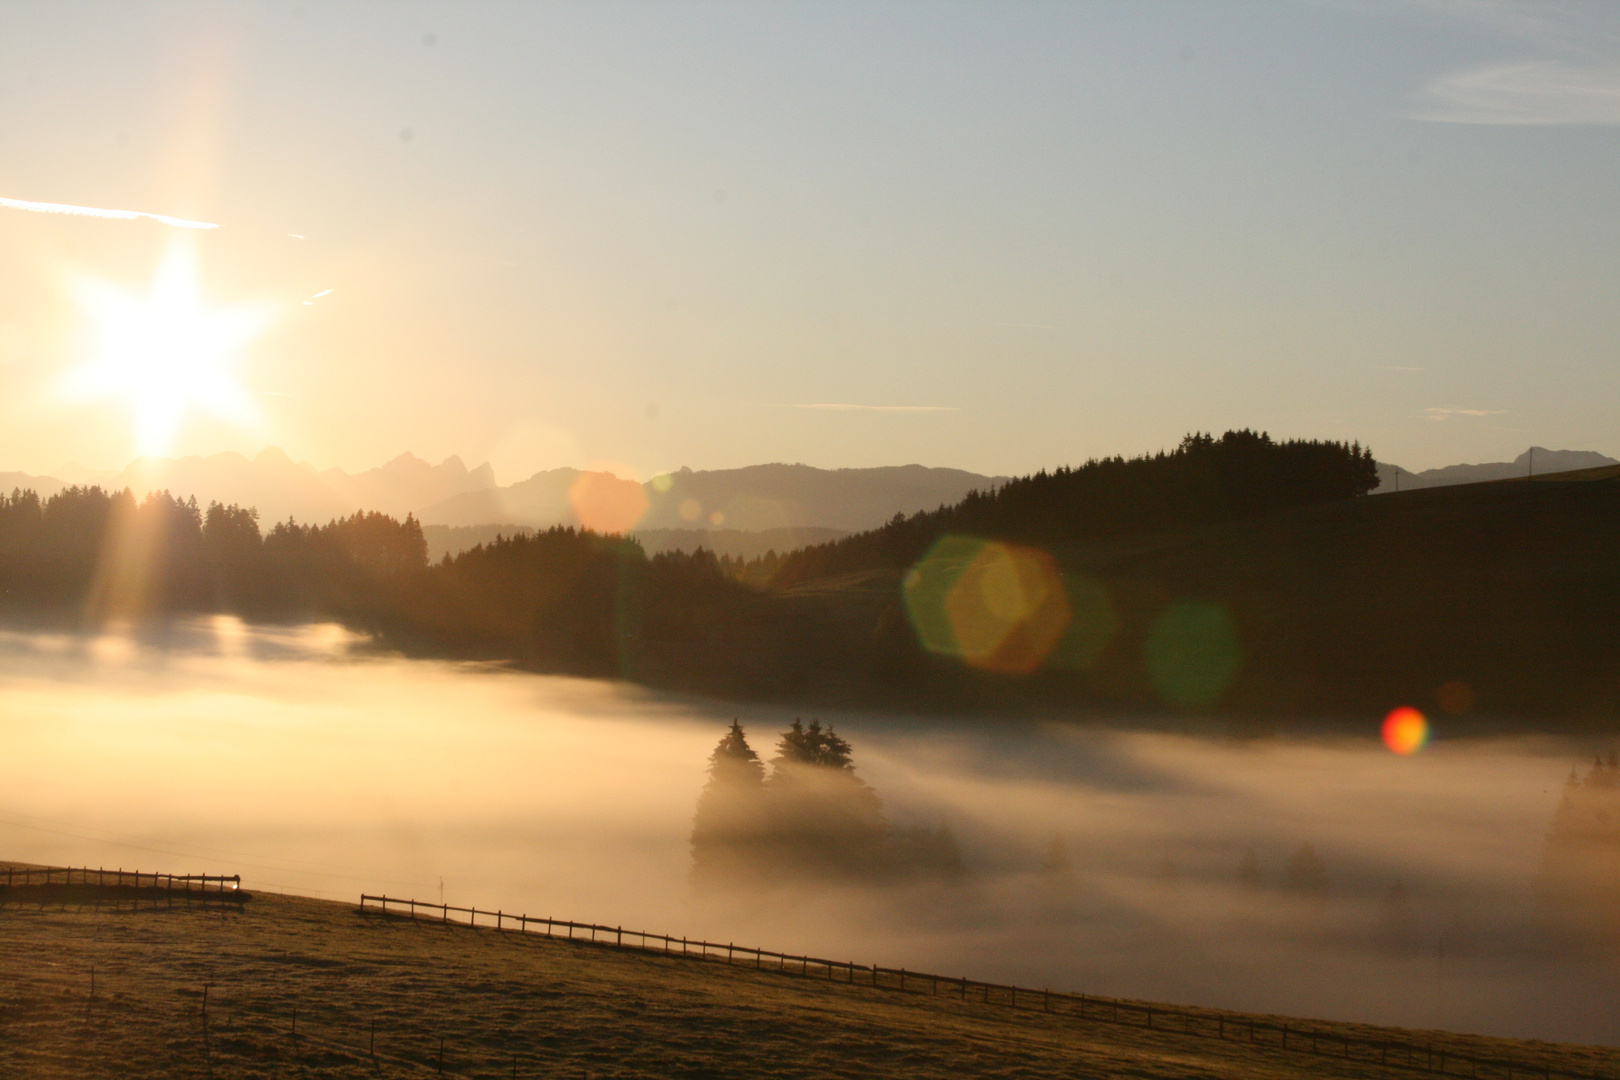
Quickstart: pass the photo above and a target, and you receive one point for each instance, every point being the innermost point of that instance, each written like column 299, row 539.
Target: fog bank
column 1304, row 876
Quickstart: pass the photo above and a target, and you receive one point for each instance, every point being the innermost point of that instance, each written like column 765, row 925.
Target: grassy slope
column 555, row 1008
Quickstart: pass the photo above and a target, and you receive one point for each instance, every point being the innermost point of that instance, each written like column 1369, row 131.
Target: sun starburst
column 165, row 354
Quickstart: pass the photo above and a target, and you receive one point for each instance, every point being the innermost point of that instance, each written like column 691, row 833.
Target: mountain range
column 1536, row 461
column 728, row 510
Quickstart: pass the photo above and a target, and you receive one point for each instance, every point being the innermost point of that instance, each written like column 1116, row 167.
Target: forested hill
column 1202, row 481
column 1233, row 575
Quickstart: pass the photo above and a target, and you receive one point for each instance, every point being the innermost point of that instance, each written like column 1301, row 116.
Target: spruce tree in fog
column 1579, row 877
column 813, row 746
column 827, row 823
column 734, row 763
column 730, row 824
column 812, row 821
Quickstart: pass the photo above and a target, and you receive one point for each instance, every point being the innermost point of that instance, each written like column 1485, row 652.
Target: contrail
column 311, row 301
column 842, row 407
column 97, row 212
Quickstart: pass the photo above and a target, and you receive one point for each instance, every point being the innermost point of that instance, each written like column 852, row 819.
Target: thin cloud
column 1568, row 70
column 842, row 407
column 1525, row 92
column 98, row 212
column 1397, row 367
column 1446, row 412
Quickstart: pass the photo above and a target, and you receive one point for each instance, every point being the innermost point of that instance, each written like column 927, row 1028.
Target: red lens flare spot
column 1406, row 731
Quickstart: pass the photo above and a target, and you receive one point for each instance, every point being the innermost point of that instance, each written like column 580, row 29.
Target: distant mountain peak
column 1537, row 461
column 406, row 462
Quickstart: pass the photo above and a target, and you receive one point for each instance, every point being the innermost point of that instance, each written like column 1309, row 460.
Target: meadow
column 296, row 986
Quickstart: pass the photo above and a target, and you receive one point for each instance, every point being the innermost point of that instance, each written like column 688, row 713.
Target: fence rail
column 1209, row 1024
column 137, row 879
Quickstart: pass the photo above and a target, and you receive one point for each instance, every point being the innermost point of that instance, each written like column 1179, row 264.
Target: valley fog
column 1298, row 874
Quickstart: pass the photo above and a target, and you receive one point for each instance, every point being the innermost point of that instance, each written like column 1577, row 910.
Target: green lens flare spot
column 1193, row 653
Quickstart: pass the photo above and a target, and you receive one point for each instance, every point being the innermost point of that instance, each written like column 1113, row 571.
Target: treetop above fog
column 813, row 745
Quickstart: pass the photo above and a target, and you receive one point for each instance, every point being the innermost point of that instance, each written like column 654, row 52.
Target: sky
column 993, row 236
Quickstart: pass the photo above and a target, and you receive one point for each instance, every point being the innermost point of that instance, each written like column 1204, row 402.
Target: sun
column 164, row 354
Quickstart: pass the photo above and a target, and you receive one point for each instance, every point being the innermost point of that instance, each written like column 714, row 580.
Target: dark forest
column 1232, row 575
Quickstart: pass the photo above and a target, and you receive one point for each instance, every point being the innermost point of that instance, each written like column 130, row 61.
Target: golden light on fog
column 164, row 354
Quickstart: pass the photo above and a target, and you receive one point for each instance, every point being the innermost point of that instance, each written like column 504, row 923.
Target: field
column 301, row 987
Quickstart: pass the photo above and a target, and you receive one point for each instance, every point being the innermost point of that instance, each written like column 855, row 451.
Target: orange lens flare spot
column 605, row 504
column 1406, row 731
column 1000, row 607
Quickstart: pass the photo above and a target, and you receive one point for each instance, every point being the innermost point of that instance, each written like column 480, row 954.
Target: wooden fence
column 1206, row 1024
column 135, row 879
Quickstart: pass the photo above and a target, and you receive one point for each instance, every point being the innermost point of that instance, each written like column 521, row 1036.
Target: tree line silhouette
column 790, row 626
column 1202, row 481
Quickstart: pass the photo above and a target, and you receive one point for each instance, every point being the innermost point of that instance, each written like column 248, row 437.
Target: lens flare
column 996, row 606
column 1406, row 731
column 606, row 504
column 1193, row 653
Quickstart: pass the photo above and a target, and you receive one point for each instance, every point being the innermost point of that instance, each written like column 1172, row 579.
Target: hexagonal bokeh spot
column 997, row 606
column 1193, row 653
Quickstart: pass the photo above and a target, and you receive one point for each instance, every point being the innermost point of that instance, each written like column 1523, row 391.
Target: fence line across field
column 138, row 879
column 1260, row 1033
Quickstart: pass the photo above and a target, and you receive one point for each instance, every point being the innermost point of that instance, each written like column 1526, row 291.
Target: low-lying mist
column 1302, row 875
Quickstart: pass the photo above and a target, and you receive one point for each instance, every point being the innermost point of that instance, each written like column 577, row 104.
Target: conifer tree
column 730, row 825
column 1579, row 877
column 813, row 745
column 827, row 822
